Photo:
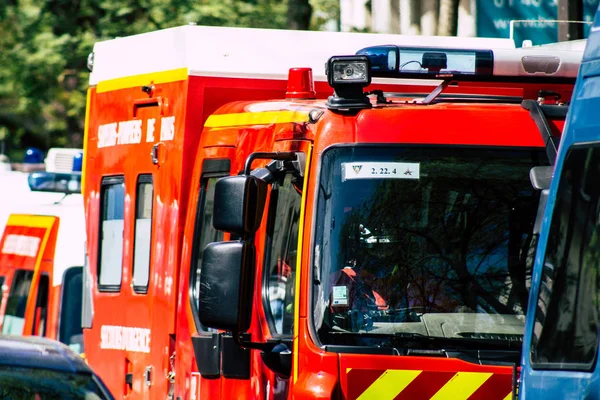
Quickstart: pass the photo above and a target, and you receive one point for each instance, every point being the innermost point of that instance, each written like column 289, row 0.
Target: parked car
column 40, row 368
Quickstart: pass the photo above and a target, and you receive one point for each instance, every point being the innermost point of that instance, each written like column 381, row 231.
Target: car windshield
column 424, row 242
column 41, row 384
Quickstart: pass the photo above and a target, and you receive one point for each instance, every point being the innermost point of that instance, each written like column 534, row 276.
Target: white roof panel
column 247, row 52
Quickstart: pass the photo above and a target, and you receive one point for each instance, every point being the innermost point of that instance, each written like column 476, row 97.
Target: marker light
column 394, row 61
column 300, row 84
column 78, row 162
column 33, row 156
column 90, row 62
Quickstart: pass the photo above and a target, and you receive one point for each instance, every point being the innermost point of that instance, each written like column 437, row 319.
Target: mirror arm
column 238, row 338
column 299, row 165
column 281, row 156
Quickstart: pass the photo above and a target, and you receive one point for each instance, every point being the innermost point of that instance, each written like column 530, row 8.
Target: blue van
column 561, row 343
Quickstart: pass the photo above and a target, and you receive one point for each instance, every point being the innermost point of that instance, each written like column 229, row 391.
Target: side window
column 110, row 261
column 40, row 315
column 14, row 315
column 143, row 233
column 205, row 233
column 70, row 331
column 565, row 332
column 280, row 255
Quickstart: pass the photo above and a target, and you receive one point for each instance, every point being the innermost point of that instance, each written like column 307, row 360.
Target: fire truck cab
column 42, row 251
column 560, row 352
column 353, row 227
column 380, row 244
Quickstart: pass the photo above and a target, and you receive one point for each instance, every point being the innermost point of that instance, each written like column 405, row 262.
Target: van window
column 111, row 233
column 565, row 334
column 40, row 316
column 143, row 233
column 69, row 331
column 205, row 234
column 280, row 254
column 14, row 316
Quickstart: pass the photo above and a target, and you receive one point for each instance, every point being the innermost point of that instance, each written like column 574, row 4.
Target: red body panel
column 166, row 302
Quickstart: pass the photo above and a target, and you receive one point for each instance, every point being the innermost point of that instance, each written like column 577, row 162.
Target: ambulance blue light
column 33, row 156
column 57, row 182
column 412, row 62
column 78, row 162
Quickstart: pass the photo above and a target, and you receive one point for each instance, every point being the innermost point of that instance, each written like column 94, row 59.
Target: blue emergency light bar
column 348, row 75
column 413, row 62
column 57, row 182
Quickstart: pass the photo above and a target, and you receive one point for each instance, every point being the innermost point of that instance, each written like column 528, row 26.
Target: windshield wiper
column 477, row 351
column 409, row 339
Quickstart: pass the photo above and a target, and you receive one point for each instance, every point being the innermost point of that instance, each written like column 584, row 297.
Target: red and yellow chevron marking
column 403, row 384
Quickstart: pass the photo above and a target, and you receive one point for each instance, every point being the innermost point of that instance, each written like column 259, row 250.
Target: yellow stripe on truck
column 462, row 385
column 174, row 75
column 295, row 345
column 86, row 128
column 30, row 221
column 256, row 118
column 390, row 384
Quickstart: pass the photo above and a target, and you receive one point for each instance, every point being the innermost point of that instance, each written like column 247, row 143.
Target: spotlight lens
column 350, row 71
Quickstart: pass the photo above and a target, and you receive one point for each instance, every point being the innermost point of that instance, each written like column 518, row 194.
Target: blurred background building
column 534, row 20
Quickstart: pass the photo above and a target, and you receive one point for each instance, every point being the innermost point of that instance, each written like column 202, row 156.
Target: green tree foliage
column 45, row 44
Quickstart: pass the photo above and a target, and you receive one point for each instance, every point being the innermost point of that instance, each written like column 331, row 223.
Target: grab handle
column 160, row 102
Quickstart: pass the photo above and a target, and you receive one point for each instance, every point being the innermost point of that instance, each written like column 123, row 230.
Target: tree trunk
column 448, row 19
column 298, row 14
column 415, row 17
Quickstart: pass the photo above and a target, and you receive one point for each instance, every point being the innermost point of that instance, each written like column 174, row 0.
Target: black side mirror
column 239, row 204
column 226, row 285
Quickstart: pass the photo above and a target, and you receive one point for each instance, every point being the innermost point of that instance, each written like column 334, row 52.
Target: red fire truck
column 371, row 239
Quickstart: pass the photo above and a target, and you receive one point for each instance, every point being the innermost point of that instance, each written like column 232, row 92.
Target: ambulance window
column 143, row 233
column 280, row 255
column 205, row 233
column 111, row 234
column 40, row 315
column 14, row 315
column 567, row 320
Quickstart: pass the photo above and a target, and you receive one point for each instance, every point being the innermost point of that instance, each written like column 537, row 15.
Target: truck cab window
column 110, row 261
column 565, row 334
column 143, row 233
column 14, row 315
column 280, row 255
column 205, row 233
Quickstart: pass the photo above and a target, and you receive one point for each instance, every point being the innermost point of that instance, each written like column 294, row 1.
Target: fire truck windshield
column 423, row 242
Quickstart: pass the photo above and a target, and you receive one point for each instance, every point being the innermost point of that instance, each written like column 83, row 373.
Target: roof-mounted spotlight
column 348, row 75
